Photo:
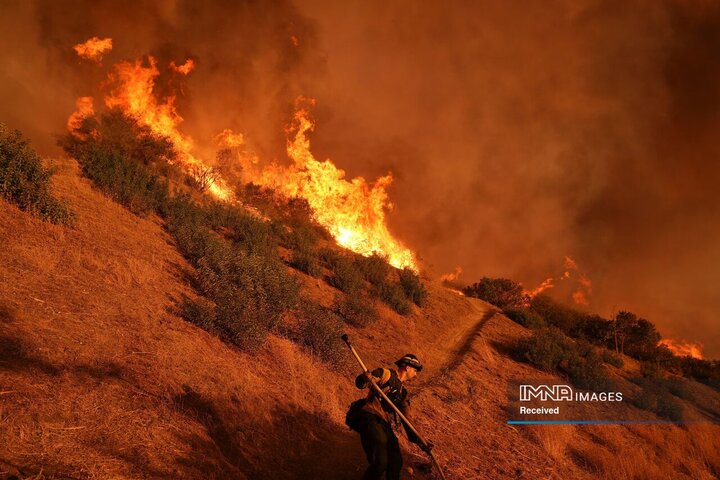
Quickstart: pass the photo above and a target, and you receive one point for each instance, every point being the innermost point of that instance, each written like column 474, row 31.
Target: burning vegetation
column 353, row 211
column 683, row 348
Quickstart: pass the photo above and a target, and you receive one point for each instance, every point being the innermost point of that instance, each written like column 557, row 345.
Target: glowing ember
column 353, row 211
column 682, row 348
column 183, row 69
column 94, row 49
column 134, row 95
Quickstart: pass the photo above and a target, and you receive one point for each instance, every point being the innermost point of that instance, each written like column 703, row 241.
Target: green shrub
column 393, row 295
column 356, row 310
column 251, row 293
column 655, row 397
column 375, row 268
column 25, row 182
column 200, row 312
column 501, row 292
column 546, row 349
column 613, row 359
column 127, row 182
column 319, row 331
column 116, row 132
column 525, row 317
column 307, row 262
column 413, row 288
column 122, row 158
column 680, row 387
column 346, row 276
column 550, row 350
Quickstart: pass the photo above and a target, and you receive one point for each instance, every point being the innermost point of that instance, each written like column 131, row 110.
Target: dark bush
column 307, row 262
column 501, row 292
column 550, row 350
column 613, row 359
column 250, row 292
column 375, row 268
column 117, row 132
column 546, row 349
column 127, row 182
column 525, row 317
column 25, row 182
column 200, row 312
column 346, row 276
column 356, row 310
column 122, row 158
column 319, row 331
column 655, row 397
column 413, row 288
column 393, row 295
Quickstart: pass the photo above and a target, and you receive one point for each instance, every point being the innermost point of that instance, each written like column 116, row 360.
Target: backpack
column 355, row 414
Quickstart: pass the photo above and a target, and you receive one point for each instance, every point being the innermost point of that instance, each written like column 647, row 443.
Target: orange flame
column 185, row 68
column 134, row 95
column 229, row 139
column 85, row 109
column 546, row 284
column 353, row 211
column 580, row 296
column 94, row 48
column 683, row 348
column 451, row 277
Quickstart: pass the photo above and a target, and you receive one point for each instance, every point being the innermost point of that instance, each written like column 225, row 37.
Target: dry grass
column 100, row 379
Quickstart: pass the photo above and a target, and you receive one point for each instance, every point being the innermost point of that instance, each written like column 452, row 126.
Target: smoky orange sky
column 517, row 132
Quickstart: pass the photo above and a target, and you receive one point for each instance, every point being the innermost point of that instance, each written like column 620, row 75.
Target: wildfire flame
column 581, row 296
column 94, row 48
column 84, row 108
column 546, row 284
column 353, row 211
column 183, row 69
column 683, row 348
column 134, row 95
column 453, row 276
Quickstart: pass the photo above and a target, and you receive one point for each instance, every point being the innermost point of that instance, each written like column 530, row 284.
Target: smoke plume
column 517, row 132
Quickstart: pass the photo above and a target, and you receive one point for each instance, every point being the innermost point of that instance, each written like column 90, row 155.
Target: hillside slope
column 99, row 377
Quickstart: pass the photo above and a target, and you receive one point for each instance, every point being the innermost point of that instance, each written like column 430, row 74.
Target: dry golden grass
column 99, row 379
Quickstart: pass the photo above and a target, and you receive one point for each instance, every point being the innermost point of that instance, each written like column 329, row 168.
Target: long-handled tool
column 379, row 391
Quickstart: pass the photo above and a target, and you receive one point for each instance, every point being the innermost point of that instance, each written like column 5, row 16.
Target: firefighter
column 375, row 419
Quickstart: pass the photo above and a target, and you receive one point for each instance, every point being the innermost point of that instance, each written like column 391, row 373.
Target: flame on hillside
column 453, row 276
column 183, row 69
column 581, row 295
column 682, row 348
column 133, row 93
column 353, row 210
column 84, row 108
column 94, row 48
column 546, row 284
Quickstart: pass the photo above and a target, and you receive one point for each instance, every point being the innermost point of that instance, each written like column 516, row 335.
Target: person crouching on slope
column 375, row 421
